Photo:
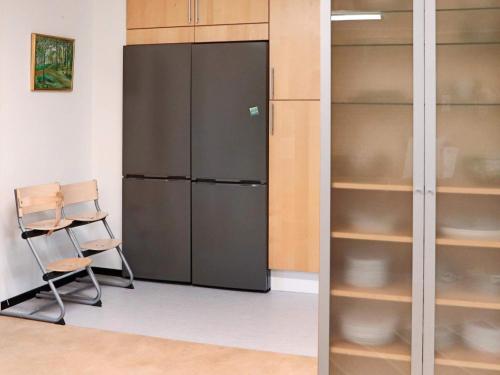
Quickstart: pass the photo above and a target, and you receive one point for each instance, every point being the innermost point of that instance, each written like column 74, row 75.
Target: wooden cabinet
column 142, row 14
column 160, row 35
column 188, row 21
column 231, row 33
column 227, row 12
column 294, row 154
column 294, row 49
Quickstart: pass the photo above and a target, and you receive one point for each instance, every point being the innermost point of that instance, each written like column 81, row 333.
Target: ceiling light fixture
column 343, row 15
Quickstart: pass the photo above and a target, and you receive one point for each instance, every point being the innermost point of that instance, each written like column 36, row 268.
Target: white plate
column 472, row 234
column 482, row 336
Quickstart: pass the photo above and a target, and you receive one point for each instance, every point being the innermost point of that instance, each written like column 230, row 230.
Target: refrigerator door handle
column 272, row 118
column 272, row 82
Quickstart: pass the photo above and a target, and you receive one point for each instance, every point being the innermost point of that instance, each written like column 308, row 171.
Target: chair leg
column 59, row 319
column 69, row 297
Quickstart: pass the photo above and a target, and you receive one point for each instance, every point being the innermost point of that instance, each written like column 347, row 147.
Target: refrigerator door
column 157, row 228
column 229, row 236
column 156, row 110
column 229, row 111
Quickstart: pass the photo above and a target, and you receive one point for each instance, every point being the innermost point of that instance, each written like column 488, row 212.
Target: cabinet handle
column 272, row 118
column 272, row 83
column 189, row 11
column 197, row 11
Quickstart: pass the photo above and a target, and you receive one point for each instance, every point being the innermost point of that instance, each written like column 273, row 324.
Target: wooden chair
column 85, row 192
column 48, row 198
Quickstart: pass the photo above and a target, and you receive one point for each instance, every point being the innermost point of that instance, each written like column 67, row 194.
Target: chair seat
column 49, row 224
column 69, row 264
column 101, row 245
column 88, row 216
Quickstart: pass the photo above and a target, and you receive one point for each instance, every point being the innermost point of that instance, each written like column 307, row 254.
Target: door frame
column 325, row 188
column 430, row 187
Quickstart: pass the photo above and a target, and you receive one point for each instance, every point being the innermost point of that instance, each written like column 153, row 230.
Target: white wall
column 108, row 31
column 48, row 136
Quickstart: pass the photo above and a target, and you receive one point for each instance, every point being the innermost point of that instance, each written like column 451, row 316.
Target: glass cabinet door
column 376, row 193
column 467, row 234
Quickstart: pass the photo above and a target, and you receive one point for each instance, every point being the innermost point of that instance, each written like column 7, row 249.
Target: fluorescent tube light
column 342, row 15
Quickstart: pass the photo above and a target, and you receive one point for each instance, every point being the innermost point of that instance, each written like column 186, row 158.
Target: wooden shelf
column 463, row 296
column 462, row 357
column 395, row 292
column 397, row 351
column 409, row 188
column 468, row 190
column 372, row 237
column 373, row 187
column 468, row 243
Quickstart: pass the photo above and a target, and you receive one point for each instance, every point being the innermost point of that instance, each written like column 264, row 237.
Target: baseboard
column 299, row 282
column 16, row 300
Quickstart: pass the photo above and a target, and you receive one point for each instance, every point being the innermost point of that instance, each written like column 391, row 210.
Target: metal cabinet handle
column 419, row 190
column 272, row 118
column 197, row 11
column 189, row 11
column 272, row 83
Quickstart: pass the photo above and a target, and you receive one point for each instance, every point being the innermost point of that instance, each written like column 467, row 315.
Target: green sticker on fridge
column 254, row 111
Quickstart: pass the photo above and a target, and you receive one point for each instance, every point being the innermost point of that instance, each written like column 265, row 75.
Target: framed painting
column 52, row 61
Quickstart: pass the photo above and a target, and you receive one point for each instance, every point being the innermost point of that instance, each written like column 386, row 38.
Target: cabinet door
column 228, row 12
column 463, row 221
column 294, row 49
column 143, row 14
column 157, row 228
column 294, row 186
column 156, row 131
column 377, row 199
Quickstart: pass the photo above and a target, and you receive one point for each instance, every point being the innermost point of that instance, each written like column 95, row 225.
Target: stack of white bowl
column 365, row 270
column 483, row 336
column 369, row 326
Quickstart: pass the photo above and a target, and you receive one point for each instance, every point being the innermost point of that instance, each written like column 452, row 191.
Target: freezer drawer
column 229, row 236
column 157, row 228
column 229, row 111
column 157, row 110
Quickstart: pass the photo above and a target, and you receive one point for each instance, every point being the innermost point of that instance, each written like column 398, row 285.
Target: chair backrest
column 80, row 192
column 33, row 199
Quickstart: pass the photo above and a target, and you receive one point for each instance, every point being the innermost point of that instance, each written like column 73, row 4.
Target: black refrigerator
column 195, row 163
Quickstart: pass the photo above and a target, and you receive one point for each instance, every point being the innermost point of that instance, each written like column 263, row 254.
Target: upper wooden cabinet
column 294, row 39
column 294, row 155
column 142, row 14
column 227, row 12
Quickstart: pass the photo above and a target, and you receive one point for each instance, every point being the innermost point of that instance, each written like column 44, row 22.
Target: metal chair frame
column 52, row 277
column 130, row 282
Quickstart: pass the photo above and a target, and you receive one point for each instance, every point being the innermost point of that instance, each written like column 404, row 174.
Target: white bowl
column 445, row 338
column 369, row 326
column 483, row 336
column 484, row 169
column 485, row 282
column 368, row 224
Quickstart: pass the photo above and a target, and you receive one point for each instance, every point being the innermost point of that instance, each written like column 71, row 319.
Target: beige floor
column 28, row 347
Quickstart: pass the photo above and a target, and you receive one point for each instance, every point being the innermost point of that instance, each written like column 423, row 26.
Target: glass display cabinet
column 410, row 221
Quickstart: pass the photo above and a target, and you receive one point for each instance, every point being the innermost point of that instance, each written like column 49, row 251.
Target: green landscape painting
column 51, row 62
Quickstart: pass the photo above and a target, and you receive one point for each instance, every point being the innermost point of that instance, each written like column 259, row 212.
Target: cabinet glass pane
column 372, row 185
column 467, row 334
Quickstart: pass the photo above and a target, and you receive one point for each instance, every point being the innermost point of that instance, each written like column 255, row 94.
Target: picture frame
column 52, row 63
